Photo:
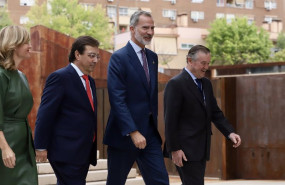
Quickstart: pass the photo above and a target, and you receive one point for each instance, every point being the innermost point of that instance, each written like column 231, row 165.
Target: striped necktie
column 145, row 68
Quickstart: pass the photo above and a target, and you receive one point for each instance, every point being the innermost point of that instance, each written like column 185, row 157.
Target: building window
column 27, row 2
column 250, row 20
column 24, row 20
column 249, row 4
column 171, row 1
column 87, row 5
column 111, row 11
column 123, row 28
column 2, row 3
column 186, row 46
column 269, row 18
column 220, row 3
column 270, row 4
column 195, row 15
column 123, row 11
column 197, row 1
column 132, row 11
column 239, row 3
column 235, row 3
column 49, row 6
column 169, row 13
column 230, row 17
column 220, row 15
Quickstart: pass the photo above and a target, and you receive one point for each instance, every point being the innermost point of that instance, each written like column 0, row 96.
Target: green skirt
column 19, row 138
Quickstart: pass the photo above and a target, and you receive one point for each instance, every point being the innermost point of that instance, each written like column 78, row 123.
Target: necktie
column 199, row 84
column 88, row 90
column 145, row 65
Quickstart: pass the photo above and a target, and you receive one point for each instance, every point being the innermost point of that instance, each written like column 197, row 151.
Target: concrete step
column 131, row 181
column 93, row 176
column 97, row 175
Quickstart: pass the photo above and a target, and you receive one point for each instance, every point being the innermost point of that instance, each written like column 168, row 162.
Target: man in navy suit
column 66, row 123
column 131, row 132
column 189, row 109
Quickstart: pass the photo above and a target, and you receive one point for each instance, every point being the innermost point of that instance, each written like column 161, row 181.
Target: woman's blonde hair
column 10, row 38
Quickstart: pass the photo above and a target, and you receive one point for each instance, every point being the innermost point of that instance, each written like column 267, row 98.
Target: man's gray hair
column 135, row 17
column 192, row 53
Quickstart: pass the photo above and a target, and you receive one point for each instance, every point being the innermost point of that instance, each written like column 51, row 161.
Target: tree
column 71, row 18
column 238, row 42
column 165, row 59
column 279, row 56
column 281, row 41
column 4, row 17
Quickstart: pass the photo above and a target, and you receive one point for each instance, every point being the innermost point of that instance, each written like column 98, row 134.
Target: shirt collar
column 135, row 46
column 77, row 70
column 191, row 74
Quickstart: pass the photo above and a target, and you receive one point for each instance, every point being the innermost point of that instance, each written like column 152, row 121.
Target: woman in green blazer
column 18, row 165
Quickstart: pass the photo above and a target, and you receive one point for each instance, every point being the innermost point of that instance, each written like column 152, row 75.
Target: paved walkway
column 174, row 180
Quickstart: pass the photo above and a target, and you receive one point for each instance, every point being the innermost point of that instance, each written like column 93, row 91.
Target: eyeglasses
column 93, row 55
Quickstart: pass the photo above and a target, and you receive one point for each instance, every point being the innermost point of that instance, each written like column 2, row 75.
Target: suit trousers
column 149, row 160
column 70, row 174
column 192, row 172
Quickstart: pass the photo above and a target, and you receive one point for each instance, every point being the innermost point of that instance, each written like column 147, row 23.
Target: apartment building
column 180, row 24
column 166, row 13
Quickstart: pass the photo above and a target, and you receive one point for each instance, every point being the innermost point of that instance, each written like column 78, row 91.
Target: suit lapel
column 151, row 67
column 207, row 90
column 75, row 78
column 135, row 62
column 193, row 87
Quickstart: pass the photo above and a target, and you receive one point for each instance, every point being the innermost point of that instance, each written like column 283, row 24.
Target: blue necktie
column 199, row 84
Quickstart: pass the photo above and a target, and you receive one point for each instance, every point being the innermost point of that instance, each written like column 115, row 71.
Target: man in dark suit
column 131, row 132
column 66, row 123
column 189, row 108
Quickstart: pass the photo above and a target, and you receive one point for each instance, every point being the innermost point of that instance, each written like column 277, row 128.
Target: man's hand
column 9, row 158
column 177, row 157
column 138, row 139
column 41, row 156
column 235, row 139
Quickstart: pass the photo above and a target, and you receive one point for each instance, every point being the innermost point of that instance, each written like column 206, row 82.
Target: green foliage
column 279, row 56
column 71, row 18
column 281, row 41
column 237, row 42
column 4, row 18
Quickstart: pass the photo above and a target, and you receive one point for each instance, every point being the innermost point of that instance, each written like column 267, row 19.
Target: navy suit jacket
column 188, row 119
column 132, row 99
column 66, row 123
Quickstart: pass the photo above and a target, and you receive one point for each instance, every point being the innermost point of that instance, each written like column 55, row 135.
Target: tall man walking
column 189, row 108
column 66, row 123
column 131, row 133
